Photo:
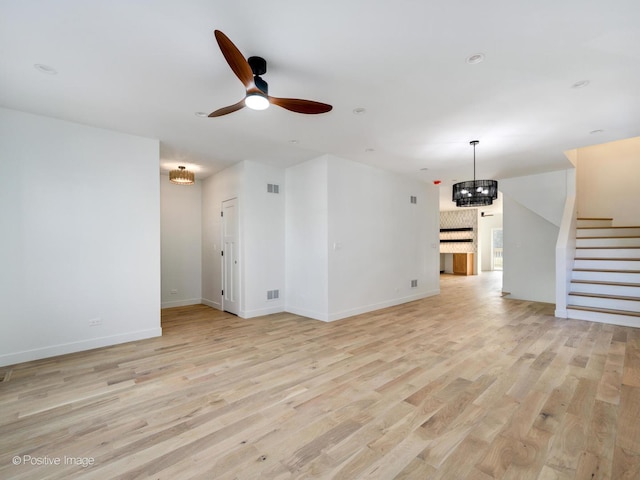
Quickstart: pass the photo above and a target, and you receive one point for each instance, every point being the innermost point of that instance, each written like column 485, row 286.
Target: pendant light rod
column 474, row 143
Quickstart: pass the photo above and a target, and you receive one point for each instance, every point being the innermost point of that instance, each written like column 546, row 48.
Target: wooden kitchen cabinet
column 463, row 263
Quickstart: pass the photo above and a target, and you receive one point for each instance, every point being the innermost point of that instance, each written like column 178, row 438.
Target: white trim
column 181, row 303
column 261, row 311
column 561, row 313
column 212, row 304
column 376, row 306
column 307, row 313
column 565, row 254
column 601, row 317
column 73, row 347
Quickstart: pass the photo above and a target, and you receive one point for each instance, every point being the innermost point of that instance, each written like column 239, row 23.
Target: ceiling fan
column 249, row 72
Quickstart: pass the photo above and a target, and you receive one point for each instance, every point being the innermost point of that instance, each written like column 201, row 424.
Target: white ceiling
column 145, row 67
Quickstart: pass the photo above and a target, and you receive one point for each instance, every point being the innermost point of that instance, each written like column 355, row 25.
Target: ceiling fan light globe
column 256, row 101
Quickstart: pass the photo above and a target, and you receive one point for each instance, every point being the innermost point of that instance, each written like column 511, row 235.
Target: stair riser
column 619, row 290
column 594, row 223
column 624, row 320
column 608, row 264
column 608, row 252
column 607, row 276
column 607, row 232
column 612, row 303
column 608, row 242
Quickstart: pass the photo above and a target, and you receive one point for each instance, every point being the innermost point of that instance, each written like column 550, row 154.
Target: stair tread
column 603, row 227
column 608, row 236
column 599, row 282
column 608, row 247
column 604, row 310
column 609, row 258
column 594, row 218
column 604, row 295
column 604, row 270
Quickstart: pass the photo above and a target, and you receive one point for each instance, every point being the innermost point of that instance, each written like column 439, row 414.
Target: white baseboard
column 212, row 304
column 331, row 317
column 181, row 303
column 600, row 317
column 307, row 313
column 261, row 311
column 561, row 313
column 377, row 306
column 80, row 346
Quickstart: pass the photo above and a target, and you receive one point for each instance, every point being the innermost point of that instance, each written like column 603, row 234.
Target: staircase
column 605, row 284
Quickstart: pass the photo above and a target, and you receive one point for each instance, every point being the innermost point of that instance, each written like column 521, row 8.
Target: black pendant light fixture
column 475, row 193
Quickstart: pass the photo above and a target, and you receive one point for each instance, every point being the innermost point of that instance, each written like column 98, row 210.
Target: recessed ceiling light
column 359, row 111
column 294, row 142
column 424, row 169
column 599, row 130
column 201, row 114
column 369, row 150
column 45, row 69
column 580, row 84
column 475, row 58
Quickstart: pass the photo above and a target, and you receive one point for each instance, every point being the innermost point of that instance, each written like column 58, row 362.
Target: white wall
column 307, row 271
column 79, row 234
column 382, row 241
column 533, row 207
column 529, row 254
column 181, row 243
column 223, row 186
column 263, row 242
column 261, row 219
column 608, row 181
column 544, row 193
column 378, row 241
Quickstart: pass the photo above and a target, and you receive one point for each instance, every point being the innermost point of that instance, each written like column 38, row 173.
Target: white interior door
column 230, row 267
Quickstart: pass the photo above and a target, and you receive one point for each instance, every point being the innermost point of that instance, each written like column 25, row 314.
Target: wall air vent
column 414, row 199
column 273, row 188
column 414, row 283
column 273, row 294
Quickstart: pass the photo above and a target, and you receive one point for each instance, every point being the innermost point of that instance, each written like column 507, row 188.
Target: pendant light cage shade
column 181, row 176
column 475, row 193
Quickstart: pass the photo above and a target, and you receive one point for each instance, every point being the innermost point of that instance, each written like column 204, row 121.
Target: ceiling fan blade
column 226, row 110
column 301, row 106
column 235, row 59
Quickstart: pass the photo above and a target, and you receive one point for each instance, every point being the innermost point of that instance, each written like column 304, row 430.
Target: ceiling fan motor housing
column 258, row 65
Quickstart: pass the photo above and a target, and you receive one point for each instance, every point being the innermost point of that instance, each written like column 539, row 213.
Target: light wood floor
column 465, row 385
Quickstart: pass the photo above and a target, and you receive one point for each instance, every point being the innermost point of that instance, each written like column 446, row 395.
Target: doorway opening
column 496, row 249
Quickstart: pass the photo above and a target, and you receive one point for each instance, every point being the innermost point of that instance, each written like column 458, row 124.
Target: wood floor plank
column 626, row 465
column 417, row 391
column 628, row 435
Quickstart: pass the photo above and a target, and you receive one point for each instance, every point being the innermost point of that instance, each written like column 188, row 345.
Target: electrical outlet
column 94, row 322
